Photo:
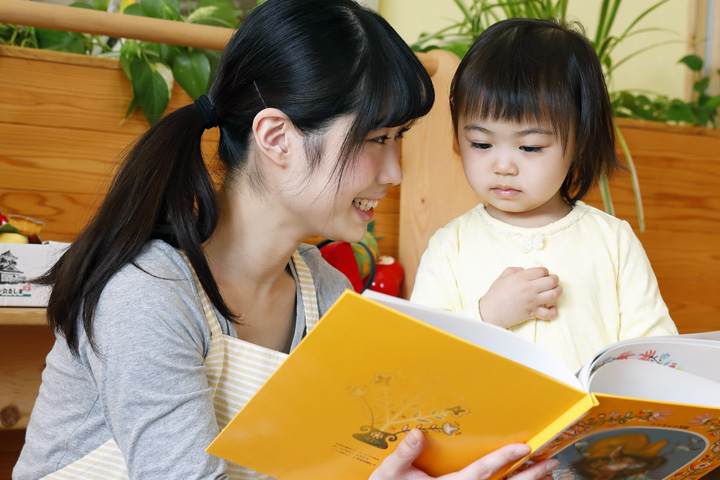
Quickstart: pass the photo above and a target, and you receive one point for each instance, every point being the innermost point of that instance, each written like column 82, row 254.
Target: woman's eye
column 381, row 140
column 401, row 133
column 531, row 149
column 480, row 145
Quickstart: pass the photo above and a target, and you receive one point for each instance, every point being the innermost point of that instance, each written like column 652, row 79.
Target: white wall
column 656, row 70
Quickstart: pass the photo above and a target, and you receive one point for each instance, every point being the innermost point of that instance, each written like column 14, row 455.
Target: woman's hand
column 398, row 465
column 520, row 294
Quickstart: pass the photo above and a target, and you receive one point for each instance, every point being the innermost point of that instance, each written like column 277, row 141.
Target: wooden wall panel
column 62, row 137
column 11, row 441
column 434, row 189
column 23, row 361
column 679, row 172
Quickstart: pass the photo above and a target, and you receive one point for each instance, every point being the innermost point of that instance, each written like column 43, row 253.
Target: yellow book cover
column 372, row 369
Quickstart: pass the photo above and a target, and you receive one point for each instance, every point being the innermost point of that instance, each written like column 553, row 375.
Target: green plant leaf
column 100, row 4
column 701, row 85
column 60, row 41
column 634, row 180
column 221, row 13
column 131, row 108
column 680, row 112
column 135, row 9
column 129, row 52
column 165, row 9
column 713, row 102
column 213, row 57
column 703, row 116
column 82, row 5
column 161, row 51
column 192, row 72
column 458, row 48
column 152, row 86
column 693, row 62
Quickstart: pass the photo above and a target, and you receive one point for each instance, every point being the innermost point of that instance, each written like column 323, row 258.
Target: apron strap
column 307, row 291
column 215, row 329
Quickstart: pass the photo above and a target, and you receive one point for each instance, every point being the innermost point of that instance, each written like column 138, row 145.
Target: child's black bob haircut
column 524, row 69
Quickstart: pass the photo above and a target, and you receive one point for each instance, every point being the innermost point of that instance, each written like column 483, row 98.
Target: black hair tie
column 207, row 109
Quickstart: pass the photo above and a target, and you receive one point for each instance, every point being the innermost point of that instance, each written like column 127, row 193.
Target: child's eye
column 480, row 145
column 531, row 149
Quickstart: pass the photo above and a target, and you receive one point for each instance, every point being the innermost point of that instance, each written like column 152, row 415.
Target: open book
column 374, row 368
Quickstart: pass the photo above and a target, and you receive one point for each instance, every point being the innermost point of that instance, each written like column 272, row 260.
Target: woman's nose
column 391, row 173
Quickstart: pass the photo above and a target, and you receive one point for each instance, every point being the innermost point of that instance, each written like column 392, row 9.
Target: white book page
column 689, row 354
column 638, row 379
column 489, row 337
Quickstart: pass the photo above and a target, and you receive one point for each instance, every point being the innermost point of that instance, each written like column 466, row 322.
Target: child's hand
column 520, row 294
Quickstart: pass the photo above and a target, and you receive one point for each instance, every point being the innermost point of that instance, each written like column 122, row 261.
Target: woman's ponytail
column 162, row 190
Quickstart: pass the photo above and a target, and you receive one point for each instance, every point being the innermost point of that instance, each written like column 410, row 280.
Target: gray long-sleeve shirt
column 147, row 389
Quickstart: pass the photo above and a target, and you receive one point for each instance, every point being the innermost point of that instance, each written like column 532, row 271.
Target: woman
column 178, row 301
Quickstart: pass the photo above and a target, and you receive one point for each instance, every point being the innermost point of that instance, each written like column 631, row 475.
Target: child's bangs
column 522, row 106
column 529, row 81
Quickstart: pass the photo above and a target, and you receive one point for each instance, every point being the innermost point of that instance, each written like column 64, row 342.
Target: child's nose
column 504, row 164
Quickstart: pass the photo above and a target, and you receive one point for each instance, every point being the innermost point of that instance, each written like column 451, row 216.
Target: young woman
column 178, row 301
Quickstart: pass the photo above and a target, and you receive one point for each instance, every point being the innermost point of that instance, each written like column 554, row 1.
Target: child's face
column 516, row 168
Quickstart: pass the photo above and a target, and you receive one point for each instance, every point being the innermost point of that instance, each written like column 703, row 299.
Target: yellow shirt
column 610, row 292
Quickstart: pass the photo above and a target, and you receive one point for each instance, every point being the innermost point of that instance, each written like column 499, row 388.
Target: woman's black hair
column 524, row 69
column 315, row 60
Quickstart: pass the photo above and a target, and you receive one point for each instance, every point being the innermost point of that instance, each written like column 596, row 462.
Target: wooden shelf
column 22, row 316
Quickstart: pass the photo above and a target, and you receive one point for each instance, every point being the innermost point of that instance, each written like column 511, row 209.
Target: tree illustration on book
column 392, row 413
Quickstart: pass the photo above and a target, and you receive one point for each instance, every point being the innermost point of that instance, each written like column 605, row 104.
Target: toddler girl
column 534, row 126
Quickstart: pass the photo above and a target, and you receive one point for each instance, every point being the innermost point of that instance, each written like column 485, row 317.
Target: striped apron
column 235, row 370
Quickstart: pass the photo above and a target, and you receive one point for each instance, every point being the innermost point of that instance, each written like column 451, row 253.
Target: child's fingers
column 546, row 284
column 535, row 273
column 510, row 271
column 546, row 312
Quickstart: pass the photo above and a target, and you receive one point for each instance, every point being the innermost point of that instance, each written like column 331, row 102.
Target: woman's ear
column 272, row 130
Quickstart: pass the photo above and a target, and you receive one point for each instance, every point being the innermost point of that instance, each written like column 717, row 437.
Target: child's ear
column 273, row 132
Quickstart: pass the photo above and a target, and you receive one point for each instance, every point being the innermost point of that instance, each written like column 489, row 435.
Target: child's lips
column 505, row 191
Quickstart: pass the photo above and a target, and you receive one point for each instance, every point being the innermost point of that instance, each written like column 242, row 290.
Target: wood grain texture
column 22, row 316
column 61, row 135
column 59, row 17
column 679, row 173
column 11, row 442
column 22, row 356
column 434, row 189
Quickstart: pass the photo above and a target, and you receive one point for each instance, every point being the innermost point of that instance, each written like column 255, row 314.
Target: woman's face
column 343, row 212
